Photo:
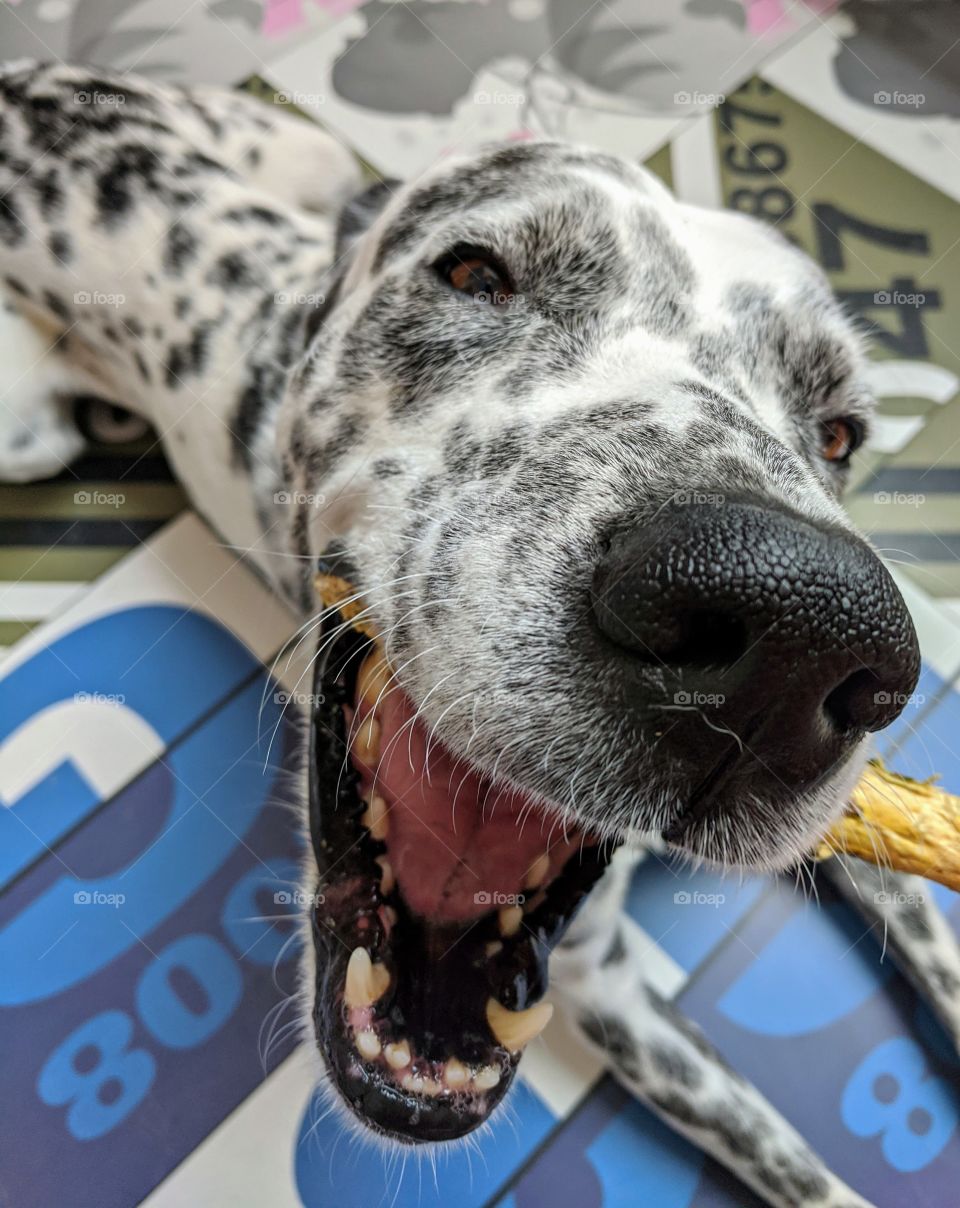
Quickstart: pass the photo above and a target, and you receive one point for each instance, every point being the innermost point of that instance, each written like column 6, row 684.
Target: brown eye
column 839, row 438
column 477, row 274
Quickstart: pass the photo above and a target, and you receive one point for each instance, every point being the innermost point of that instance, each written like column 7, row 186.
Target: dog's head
column 580, row 447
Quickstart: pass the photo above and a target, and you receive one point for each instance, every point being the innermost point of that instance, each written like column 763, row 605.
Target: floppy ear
column 360, row 213
column 355, row 217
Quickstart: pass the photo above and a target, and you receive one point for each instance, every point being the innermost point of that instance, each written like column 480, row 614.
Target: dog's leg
column 666, row 1062
column 912, row 928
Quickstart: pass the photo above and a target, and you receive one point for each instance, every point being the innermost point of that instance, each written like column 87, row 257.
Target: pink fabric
column 282, row 16
column 766, row 16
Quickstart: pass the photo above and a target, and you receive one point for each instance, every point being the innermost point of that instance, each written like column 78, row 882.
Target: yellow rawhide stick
column 335, row 592
column 908, row 825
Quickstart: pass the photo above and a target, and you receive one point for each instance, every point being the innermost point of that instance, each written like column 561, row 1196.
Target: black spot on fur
column 61, row 247
column 49, row 193
column 56, row 305
column 130, row 165
column 12, row 230
column 234, row 271
column 181, row 248
column 617, row 950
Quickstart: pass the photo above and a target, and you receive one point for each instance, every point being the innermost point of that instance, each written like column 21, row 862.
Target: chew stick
column 908, row 825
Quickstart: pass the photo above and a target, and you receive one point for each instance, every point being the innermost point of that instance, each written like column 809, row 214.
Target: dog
column 573, row 452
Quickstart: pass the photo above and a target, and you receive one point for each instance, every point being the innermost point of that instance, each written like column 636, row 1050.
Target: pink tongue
column 458, row 848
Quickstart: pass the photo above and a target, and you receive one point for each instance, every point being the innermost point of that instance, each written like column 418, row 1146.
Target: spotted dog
column 574, row 452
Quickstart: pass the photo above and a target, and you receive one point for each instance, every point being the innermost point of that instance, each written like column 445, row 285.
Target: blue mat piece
column 140, row 958
column 689, row 915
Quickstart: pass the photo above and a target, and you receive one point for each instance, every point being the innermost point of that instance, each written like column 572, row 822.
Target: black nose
column 790, row 634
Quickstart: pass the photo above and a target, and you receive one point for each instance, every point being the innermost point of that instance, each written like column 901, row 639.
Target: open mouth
column 440, row 894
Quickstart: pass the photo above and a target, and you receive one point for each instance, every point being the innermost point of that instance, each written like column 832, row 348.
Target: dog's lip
column 416, row 1103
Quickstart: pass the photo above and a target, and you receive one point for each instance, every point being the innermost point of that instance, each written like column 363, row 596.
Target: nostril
column 859, row 702
column 707, row 639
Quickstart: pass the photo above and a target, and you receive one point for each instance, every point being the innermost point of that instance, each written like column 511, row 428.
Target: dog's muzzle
column 764, row 644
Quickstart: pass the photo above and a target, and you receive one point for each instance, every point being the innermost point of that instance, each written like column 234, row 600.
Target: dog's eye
column 476, row 273
column 839, row 438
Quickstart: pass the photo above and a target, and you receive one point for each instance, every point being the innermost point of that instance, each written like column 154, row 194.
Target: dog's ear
column 360, row 213
column 355, row 217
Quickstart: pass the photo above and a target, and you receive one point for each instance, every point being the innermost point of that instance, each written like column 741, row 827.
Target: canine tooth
column 412, row 1082
column 387, row 879
column 366, row 981
column 455, row 1074
column 375, row 819
column 515, row 1029
column 368, row 1044
column 430, row 1087
column 492, row 948
column 398, row 1055
column 510, row 918
column 373, row 677
column 366, row 745
column 487, row 1076
column 538, row 872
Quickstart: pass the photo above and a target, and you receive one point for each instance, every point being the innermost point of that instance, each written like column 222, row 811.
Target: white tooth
column 455, row 1074
column 375, row 818
column 366, row 981
column 411, row 1082
column 368, row 1044
column 398, row 1055
column 492, row 948
column 486, row 1077
column 387, row 879
column 510, row 918
column 538, row 872
column 373, row 677
column 515, row 1029
column 366, row 745
column 429, row 1087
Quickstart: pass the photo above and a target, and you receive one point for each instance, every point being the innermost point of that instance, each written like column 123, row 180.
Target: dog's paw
column 38, row 438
